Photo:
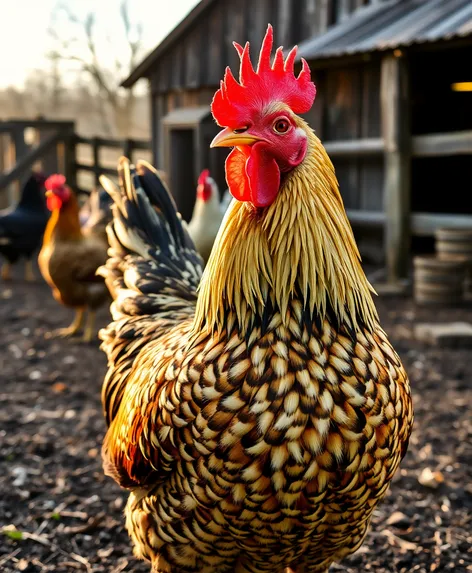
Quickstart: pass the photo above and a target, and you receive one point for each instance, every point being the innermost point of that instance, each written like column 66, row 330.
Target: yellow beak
column 227, row 138
column 48, row 193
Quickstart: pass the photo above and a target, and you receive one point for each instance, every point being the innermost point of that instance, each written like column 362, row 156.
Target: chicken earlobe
column 235, row 168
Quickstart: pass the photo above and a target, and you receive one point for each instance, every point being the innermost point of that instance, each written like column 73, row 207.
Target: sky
column 25, row 41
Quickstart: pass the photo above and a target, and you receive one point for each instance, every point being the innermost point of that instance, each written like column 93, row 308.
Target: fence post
column 128, row 146
column 394, row 94
column 96, row 159
column 70, row 158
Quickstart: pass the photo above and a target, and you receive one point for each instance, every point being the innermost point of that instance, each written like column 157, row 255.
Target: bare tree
column 115, row 104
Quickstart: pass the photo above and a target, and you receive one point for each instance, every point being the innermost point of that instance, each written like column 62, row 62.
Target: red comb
column 203, row 176
column 55, row 182
column 269, row 83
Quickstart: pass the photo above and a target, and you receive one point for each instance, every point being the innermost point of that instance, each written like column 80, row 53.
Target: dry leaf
column 58, row 387
column 430, row 479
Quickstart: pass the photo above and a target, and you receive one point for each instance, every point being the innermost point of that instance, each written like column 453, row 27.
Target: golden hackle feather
column 302, row 243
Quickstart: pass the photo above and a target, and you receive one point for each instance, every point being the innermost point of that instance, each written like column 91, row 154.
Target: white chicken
column 207, row 215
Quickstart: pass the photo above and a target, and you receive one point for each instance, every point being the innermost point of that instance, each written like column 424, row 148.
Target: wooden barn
column 394, row 105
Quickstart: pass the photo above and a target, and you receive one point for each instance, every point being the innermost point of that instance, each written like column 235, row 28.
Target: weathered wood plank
column 355, row 147
column 311, row 19
column 397, row 137
column 12, row 124
column 425, row 224
column 234, row 31
column 216, row 51
column 322, row 19
column 176, row 65
column 342, row 91
column 100, row 170
column 440, row 144
column 370, row 103
column 361, row 218
column 284, row 23
column 344, row 10
column 113, row 143
column 20, row 148
column 193, row 61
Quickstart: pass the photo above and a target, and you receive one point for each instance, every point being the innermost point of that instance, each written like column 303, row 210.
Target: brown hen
column 70, row 257
column 258, row 421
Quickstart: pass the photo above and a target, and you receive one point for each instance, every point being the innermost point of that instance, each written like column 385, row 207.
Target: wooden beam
column 128, row 148
column 426, row 224
column 343, row 10
column 27, row 161
column 366, row 219
column 96, row 159
column 13, row 124
column 355, row 147
column 70, row 151
column 114, row 143
column 394, row 100
column 441, row 144
column 20, row 149
column 94, row 169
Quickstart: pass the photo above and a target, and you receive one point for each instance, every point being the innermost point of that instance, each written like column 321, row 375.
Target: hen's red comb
column 55, row 182
column 203, row 176
column 269, row 83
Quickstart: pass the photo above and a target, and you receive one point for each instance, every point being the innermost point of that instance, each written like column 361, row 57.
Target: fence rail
column 127, row 147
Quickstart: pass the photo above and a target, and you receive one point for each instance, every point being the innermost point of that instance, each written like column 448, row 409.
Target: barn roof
column 142, row 69
column 392, row 24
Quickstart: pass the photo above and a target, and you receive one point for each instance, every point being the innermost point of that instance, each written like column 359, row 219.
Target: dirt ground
column 59, row 513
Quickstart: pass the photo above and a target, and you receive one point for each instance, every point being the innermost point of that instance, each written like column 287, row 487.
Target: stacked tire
column 439, row 281
column 456, row 244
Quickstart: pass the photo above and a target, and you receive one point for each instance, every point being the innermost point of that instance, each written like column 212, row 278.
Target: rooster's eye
column 281, row 126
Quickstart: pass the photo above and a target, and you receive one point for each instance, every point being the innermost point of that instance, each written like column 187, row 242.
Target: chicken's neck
column 64, row 223
column 207, row 211
column 301, row 247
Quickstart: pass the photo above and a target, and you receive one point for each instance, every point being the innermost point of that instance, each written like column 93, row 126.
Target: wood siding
column 347, row 108
column 199, row 58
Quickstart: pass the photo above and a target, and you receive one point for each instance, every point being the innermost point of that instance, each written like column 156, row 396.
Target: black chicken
column 22, row 226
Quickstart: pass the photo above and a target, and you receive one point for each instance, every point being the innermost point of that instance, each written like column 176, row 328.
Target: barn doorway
column 185, row 129
column 182, row 180
column 439, row 183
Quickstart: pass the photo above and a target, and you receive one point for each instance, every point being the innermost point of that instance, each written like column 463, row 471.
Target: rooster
column 256, row 413
column 22, row 227
column 70, row 257
column 207, row 215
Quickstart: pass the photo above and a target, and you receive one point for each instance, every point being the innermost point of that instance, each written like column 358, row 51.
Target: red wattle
column 53, row 202
column 264, row 176
column 252, row 175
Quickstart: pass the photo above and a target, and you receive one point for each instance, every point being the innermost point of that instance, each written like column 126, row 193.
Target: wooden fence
column 126, row 147
column 431, row 145
column 52, row 146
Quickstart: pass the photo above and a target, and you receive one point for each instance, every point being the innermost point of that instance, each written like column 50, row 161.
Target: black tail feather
column 152, row 272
